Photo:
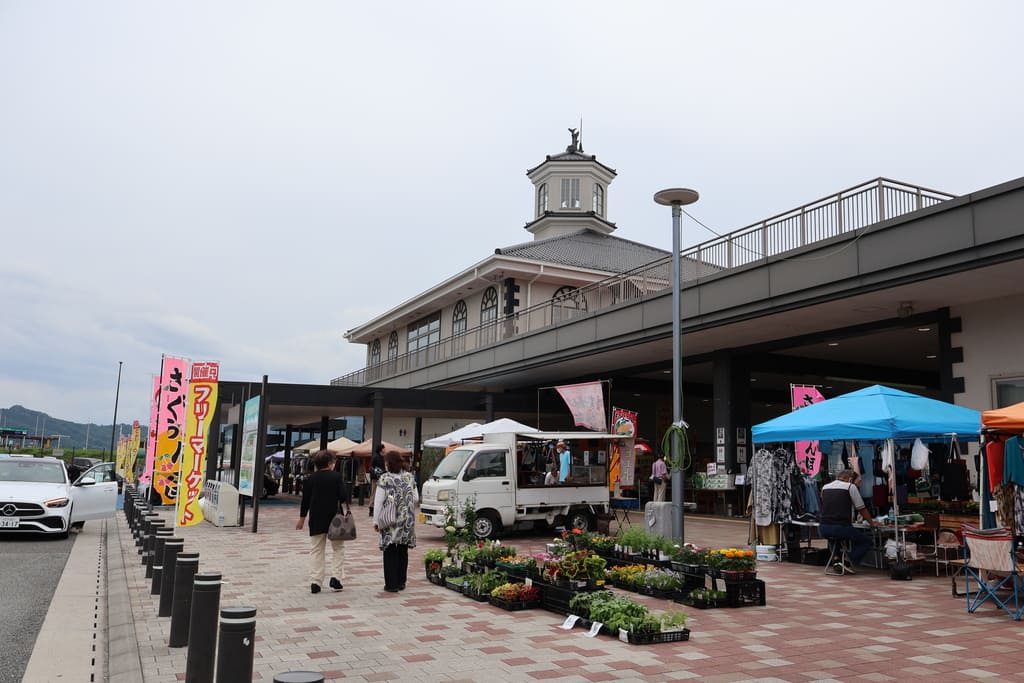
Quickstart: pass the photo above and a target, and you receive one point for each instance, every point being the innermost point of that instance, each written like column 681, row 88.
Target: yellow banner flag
column 202, row 401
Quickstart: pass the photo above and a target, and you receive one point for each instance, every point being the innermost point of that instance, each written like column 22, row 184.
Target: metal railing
column 851, row 209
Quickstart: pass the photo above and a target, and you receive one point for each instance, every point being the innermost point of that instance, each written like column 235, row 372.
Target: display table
column 721, row 502
column 620, row 508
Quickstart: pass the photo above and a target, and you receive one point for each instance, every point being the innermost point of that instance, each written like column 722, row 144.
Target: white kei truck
column 505, row 474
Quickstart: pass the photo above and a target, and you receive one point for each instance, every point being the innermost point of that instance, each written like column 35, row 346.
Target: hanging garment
column 1013, row 461
column 1005, row 496
column 760, row 476
column 955, row 481
column 785, row 469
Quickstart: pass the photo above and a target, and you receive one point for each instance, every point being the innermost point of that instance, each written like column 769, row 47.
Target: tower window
column 598, row 205
column 542, row 199
column 570, row 193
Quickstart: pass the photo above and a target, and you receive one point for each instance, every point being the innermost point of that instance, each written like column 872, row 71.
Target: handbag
column 388, row 515
column 343, row 526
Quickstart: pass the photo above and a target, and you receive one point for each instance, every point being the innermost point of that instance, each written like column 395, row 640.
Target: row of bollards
column 192, row 600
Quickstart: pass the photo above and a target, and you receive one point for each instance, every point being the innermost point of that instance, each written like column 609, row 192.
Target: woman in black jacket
column 323, row 494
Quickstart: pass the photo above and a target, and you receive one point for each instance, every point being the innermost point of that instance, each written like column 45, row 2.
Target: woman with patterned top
column 394, row 517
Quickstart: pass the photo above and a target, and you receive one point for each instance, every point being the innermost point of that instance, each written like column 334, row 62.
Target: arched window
column 542, row 199
column 598, row 204
column 570, row 193
column 567, row 303
column 460, row 322
column 375, row 352
column 393, row 346
column 489, row 316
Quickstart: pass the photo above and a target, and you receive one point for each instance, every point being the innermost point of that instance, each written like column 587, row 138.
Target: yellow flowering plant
column 730, row 559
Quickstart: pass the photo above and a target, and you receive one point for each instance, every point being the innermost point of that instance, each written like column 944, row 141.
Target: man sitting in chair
column 839, row 500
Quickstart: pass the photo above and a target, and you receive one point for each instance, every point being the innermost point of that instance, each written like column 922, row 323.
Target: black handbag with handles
column 343, row 526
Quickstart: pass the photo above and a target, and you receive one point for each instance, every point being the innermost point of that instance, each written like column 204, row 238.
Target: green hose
column 676, row 434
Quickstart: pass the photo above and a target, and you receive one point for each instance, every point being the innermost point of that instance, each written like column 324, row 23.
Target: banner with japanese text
column 170, row 425
column 586, row 403
column 202, row 401
column 122, row 450
column 147, row 470
column 133, row 451
column 808, row 455
column 622, row 467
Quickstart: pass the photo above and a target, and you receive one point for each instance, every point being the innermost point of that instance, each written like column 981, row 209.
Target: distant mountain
column 73, row 434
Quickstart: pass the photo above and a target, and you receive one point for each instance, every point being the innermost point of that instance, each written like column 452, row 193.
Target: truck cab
column 504, row 476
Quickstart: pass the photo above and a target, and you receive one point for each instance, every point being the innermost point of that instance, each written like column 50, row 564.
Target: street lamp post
column 676, row 197
column 117, row 396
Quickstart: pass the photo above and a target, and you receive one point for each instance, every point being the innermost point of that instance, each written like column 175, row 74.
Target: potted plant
column 432, row 561
column 705, row 598
column 515, row 596
column 733, row 564
column 690, row 558
column 659, row 583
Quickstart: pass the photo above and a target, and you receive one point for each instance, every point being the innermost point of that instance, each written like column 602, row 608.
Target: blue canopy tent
column 872, row 414
column 876, row 413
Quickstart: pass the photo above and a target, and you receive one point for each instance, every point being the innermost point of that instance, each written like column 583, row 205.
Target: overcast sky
column 245, row 181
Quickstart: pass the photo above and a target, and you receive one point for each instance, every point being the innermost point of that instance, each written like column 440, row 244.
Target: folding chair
column 990, row 560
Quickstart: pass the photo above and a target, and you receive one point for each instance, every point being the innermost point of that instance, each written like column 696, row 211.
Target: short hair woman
column 394, row 517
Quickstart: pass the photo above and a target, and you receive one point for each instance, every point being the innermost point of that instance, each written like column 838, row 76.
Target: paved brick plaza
column 815, row 628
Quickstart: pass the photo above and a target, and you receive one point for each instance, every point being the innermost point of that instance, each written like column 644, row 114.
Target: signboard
column 247, row 455
column 202, row 401
column 171, row 424
column 622, row 468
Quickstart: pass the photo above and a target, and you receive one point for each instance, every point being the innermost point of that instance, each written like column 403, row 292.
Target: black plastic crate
column 745, row 593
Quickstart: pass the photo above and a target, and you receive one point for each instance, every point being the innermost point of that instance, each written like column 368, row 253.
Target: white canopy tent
column 473, row 430
column 451, row 438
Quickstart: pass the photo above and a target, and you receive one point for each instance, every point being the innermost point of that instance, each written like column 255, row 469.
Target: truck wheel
column 488, row 524
column 582, row 520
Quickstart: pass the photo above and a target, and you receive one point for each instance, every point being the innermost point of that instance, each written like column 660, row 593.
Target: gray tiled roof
column 587, row 249
column 570, row 155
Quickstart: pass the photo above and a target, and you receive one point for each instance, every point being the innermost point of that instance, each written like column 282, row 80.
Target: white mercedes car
column 36, row 495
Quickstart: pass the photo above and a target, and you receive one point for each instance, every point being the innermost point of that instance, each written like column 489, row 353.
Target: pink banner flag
column 808, row 455
column 147, row 470
column 586, row 403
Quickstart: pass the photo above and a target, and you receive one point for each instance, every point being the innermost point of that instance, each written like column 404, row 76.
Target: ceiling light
column 924, row 329
column 833, row 343
column 753, row 379
column 636, row 395
column 666, row 372
column 931, row 355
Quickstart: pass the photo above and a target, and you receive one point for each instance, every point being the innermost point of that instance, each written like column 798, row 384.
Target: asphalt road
column 30, row 568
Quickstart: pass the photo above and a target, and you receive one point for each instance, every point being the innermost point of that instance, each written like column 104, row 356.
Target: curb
column 124, row 664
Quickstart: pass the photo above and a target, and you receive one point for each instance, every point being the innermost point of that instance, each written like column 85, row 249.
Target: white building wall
column 989, row 338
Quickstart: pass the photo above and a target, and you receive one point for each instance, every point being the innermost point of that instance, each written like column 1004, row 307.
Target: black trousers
column 396, row 565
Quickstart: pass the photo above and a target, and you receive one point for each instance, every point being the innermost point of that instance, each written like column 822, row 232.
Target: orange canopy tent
column 1009, row 419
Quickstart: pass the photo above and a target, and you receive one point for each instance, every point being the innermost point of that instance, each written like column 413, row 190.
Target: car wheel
column 582, row 520
column 487, row 525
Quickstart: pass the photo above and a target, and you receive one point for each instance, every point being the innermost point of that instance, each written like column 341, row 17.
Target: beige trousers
column 316, row 559
column 659, row 492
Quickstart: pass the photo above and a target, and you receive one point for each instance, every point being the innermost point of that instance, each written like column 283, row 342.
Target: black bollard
column 158, row 564
column 185, row 569
column 237, row 644
column 162, row 534
column 202, row 630
column 172, row 546
column 299, row 677
column 147, row 542
column 144, row 529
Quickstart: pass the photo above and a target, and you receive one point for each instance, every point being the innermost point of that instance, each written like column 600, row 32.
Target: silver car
column 36, row 495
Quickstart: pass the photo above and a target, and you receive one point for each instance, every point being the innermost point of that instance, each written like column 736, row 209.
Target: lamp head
column 676, row 195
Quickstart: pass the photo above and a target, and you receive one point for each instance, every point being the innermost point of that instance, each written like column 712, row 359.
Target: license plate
column 8, row 523
column 423, row 518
